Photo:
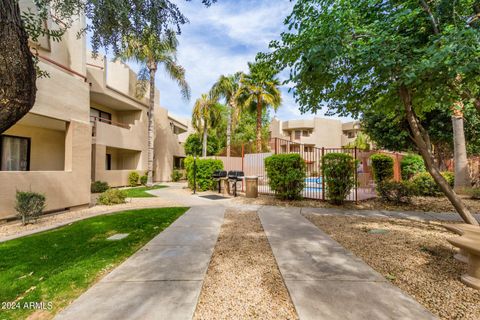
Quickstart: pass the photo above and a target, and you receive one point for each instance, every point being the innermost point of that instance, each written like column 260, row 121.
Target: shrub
column 286, row 175
column 410, row 165
column 99, row 186
column 112, row 196
column 176, row 175
column 144, row 179
column 382, row 166
column 133, row 179
column 339, row 175
column 29, row 205
column 205, row 169
column 474, row 193
column 394, row 191
column 424, row 185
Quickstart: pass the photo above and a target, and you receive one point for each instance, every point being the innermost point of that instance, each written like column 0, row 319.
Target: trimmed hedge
column 176, row 175
column 29, row 205
column 286, row 175
column 382, row 166
column 205, row 169
column 133, row 179
column 112, row 196
column 99, row 187
column 144, row 180
column 410, row 165
column 339, row 175
column 396, row 191
column 424, row 184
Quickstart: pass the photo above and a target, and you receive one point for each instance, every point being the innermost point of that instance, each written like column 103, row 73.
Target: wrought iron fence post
column 323, row 176
column 356, row 175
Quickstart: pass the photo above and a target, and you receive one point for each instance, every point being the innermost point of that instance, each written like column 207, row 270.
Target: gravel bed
column 243, row 280
column 419, row 204
column 414, row 256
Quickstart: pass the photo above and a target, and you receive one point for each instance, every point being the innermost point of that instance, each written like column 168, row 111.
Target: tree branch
column 434, row 21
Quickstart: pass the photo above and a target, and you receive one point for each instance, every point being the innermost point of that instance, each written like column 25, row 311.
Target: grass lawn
column 139, row 192
column 57, row 266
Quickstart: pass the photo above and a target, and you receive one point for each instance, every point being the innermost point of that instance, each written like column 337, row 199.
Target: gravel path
column 243, row 280
column 415, row 256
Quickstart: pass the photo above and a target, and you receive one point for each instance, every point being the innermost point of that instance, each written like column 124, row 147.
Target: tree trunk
column 205, row 138
column 476, row 103
column 152, row 67
column 421, row 140
column 229, row 126
column 17, row 71
column 462, row 175
column 259, row 124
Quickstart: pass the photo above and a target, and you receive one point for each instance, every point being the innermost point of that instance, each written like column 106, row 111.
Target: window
column 178, row 163
column 351, row 134
column 14, row 153
column 298, row 134
column 108, row 161
column 100, row 115
column 306, row 133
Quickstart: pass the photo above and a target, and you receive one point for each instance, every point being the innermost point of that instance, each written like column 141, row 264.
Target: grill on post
column 235, row 176
column 217, row 176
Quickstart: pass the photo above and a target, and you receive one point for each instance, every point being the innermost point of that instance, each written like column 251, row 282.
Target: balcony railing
column 94, row 120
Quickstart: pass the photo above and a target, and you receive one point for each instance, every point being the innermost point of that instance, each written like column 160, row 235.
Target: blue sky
column 221, row 39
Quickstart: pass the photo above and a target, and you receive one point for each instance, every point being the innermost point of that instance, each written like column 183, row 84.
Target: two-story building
column 87, row 124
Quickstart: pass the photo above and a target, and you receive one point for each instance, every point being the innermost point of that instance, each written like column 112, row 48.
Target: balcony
column 119, row 135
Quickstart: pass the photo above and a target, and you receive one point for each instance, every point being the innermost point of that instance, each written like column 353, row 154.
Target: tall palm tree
column 462, row 174
column 259, row 90
column 205, row 114
column 227, row 88
column 150, row 50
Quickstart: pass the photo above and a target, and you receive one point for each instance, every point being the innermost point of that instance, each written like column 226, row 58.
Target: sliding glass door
column 14, row 153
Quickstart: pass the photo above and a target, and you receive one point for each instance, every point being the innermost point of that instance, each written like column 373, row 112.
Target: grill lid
column 235, row 174
column 219, row 174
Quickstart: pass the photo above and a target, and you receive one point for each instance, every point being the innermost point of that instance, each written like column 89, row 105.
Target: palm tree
column 462, row 174
column 259, row 90
column 150, row 50
column 205, row 114
column 227, row 88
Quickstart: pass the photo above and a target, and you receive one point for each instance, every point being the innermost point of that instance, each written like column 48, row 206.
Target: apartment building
column 316, row 132
column 87, row 124
column 49, row 150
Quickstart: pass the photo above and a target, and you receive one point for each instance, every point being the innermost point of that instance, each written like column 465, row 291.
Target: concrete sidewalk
column 162, row 280
column 325, row 280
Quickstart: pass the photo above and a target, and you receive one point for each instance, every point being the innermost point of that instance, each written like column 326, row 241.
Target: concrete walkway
column 162, row 280
column 325, row 280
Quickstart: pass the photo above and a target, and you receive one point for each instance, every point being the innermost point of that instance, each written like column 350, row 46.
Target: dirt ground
column 414, row 256
column 243, row 280
column 426, row 204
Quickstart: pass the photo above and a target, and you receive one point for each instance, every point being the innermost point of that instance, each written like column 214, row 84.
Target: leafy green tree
column 109, row 22
column 205, row 115
column 362, row 141
column 193, row 145
column 358, row 55
column 227, row 87
column 259, row 90
column 150, row 50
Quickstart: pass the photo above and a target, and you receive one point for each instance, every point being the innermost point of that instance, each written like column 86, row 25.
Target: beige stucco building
column 316, row 132
column 86, row 125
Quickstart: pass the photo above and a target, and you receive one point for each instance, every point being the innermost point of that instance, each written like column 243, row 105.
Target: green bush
column 205, row 169
column 29, row 205
column 144, row 179
column 339, row 175
column 176, row 175
column 112, row 196
column 286, row 175
column 99, row 187
column 410, row 165
column 394, row 191
column 382, row 166
column 133, row 178
column 474, row 193
column 424, row 185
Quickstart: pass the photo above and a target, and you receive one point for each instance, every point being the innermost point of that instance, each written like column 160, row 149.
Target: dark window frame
column 108, row 161
column 101, row 113
column 29, row 145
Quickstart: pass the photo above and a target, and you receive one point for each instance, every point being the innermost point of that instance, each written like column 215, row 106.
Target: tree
column 193, row 145
column 259, row 91
column 362, row 141
column 364, row 55
column 109, row 22
column 206, row 114
column 150, row 50
column 227, row 87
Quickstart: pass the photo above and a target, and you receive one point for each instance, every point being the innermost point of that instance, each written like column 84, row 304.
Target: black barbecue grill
column 235, row 176
column 217, row 176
